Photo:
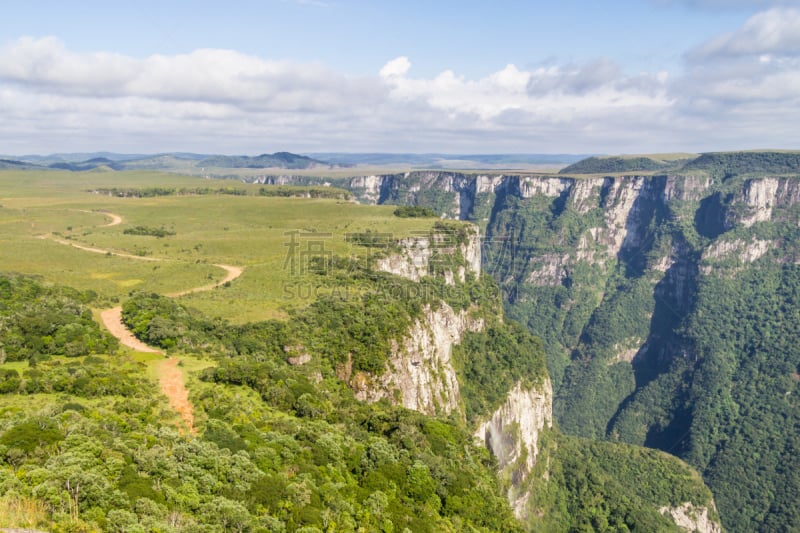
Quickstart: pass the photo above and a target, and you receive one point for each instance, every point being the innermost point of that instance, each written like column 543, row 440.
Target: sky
column 452, row 76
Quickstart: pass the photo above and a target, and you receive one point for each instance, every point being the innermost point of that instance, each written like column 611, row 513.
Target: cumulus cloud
column 230, row 96
column 579, row 80
column 206, row 75
column 734, row 87
column 396, row 67
column 775, row 31
column 759, row 62
column 545, row 93
column 745, row 84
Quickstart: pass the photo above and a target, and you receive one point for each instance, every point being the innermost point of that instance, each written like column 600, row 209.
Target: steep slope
column 284, row 442
column 663, row 302
column 508, row 397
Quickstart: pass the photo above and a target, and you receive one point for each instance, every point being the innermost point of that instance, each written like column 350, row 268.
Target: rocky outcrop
column 625, row 352
column 548, row 270
column 585, row 193
column 759, row 197
column 686, row 188
column 528, row 187
column 744, row 252
column 368, row 188
column 420, row 374
column 413, row 261
column 692, row 519
column 512, row 435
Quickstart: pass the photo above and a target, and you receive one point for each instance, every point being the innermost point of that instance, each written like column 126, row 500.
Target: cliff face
column 692, row 519
column 413, row 261
column 607, row 271
column 420, row 373
column 512, row 435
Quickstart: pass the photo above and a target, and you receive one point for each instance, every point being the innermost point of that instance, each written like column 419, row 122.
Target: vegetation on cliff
column 682, row 340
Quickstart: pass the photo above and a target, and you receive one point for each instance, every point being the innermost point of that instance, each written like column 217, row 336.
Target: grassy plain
column 43, row 210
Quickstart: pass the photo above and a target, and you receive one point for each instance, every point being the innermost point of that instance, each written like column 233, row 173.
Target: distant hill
column 6, row 164
column 724, row 163
column 439, row 160
column 83, row 166
column 715, row 163
column 277, row 160
column 192, row 163
column 169, row 162
column 616, row 164
column 46, row 160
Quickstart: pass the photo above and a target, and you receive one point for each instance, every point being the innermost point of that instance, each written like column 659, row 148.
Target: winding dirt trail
column 172, row 384
column 233, row 272
column 171, row 377
column 99, row 250
column 112, row 318
column 116, row 220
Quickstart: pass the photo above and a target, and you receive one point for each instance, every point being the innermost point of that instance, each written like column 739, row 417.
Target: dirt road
column 116, row 220
column 171, row 378
column 232, row 273
column 172, row 384
column 112, row 318
column 99, row 250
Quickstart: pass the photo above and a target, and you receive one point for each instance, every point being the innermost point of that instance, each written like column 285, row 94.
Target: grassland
column 41, row 211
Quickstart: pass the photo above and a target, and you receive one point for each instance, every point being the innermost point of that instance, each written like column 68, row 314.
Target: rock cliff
column 606, row 270
column 413, row 260
column 512, row 435
column 692, row 519
column 420, row 373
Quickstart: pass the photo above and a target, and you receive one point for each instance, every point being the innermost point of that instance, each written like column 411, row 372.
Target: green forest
column 698, row 358
column 86, row 444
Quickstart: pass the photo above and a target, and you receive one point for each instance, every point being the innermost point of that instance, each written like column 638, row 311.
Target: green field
column 41, row 208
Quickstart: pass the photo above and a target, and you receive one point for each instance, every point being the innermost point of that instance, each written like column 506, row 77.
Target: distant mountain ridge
column 193, row 163
column 712, row 163
column 740, row 162
column 276, row 160
column 442, row 160
column 82, row 162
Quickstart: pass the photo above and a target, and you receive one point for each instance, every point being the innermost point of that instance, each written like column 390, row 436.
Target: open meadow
column 46, row 216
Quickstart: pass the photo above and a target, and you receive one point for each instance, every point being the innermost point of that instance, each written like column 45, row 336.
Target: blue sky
column 437, row 76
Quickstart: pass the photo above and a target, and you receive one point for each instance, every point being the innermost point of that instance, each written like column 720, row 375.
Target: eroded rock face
column 549, row 270
column 690, row 188
column 741, row 251
column 368, row 187
column 420, row 374
column 761, row 196
column 529, row 187
column 691, row 518
column 512, row 435
column 413, row 261
column 745, row 252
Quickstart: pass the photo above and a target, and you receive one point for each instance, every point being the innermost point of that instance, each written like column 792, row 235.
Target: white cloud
column 775, row 31
column 546, row 93
column 759, row 62
column 206, row 75
column 396, row 67
column 211, row 100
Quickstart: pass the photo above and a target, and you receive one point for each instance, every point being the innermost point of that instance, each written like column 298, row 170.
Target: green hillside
column 276, row 441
